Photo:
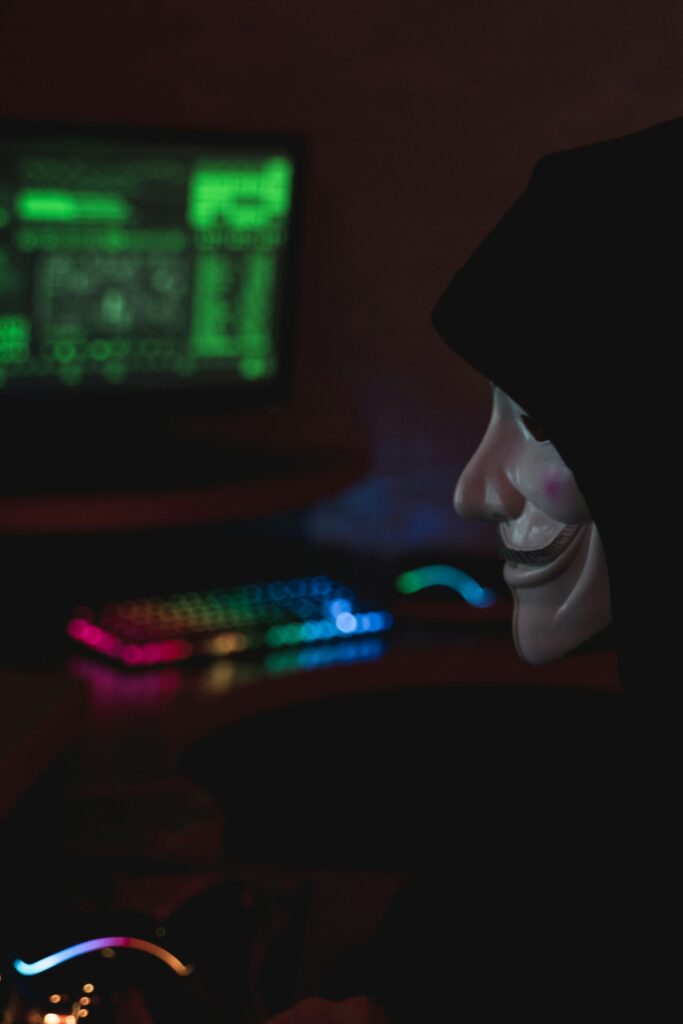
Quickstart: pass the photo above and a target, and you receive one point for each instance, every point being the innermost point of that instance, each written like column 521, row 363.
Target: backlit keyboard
column 219, row 623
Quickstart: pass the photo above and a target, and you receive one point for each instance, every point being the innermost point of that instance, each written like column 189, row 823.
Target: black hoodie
column 556, row 905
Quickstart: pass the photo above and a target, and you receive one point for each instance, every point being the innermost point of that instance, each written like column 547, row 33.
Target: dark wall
column 424, row 121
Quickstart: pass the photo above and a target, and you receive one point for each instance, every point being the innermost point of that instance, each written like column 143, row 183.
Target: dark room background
column 423, row 121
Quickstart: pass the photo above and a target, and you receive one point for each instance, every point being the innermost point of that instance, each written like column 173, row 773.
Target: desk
column 269, row 741
column 45, row 711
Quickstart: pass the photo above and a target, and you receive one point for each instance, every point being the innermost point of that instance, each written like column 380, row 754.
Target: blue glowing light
column 382, row 620
column 346, row 623
column 310, row 631
column 302, row 659
column 446, row 576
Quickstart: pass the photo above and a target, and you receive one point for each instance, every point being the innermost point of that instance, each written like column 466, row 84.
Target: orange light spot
column 227, row 643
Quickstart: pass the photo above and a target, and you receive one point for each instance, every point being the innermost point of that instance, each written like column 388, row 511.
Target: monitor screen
column 138, row 262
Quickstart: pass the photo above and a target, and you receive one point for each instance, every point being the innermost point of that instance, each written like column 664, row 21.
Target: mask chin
column 563, row 613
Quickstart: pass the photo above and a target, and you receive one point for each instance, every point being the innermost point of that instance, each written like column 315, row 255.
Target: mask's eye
column 534, row 428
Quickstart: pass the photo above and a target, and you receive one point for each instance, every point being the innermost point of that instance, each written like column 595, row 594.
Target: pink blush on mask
column 552, row 486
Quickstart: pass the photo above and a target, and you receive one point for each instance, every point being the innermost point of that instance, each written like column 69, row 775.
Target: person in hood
column 571, row 307
column 554, row 904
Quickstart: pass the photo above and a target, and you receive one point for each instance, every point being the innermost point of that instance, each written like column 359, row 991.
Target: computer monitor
column 144, row 274
column 137, row 264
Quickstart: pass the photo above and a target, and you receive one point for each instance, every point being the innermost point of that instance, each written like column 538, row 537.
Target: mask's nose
column 484, row 490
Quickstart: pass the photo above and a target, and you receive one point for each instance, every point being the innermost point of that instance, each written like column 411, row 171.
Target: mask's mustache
column 537, row 556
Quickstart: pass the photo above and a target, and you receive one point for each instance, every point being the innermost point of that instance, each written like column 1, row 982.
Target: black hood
column 573, row 305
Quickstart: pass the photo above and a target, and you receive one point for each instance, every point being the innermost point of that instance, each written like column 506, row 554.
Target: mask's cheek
column 549, row 484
